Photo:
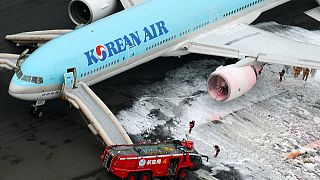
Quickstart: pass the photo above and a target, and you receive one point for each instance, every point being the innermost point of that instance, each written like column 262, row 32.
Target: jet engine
column 87, row 11
column 229, row 82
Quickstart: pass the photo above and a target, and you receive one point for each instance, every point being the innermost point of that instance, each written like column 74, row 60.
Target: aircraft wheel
column 33, row 110
column 39, row 113
column 36, row 112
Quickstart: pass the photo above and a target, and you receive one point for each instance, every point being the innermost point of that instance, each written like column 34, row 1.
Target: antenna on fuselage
column 21, row 58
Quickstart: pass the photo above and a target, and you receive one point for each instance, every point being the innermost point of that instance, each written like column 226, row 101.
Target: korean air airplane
column 109, row 44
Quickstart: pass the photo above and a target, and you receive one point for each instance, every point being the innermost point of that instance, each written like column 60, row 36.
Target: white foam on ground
column 257, row 129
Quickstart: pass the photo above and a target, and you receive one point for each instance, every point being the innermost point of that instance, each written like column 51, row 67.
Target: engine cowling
column 229, row 82
column 87, row 11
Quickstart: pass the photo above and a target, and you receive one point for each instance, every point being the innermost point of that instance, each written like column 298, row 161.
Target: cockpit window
column 37, row 80
column 26, row 78
column 40, row 80
column 19, row 74
column 33, row 79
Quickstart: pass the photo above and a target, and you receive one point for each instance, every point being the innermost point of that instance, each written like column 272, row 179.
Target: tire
column 132, row 176
column 183, row 174
column 39, row 113
column 145, row 176
column 36, row 112
column 33, row 111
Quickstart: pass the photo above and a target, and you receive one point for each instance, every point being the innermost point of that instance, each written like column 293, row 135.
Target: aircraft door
column 74, row 73
column 132, row 52
column 68, row 81
column 70, row 78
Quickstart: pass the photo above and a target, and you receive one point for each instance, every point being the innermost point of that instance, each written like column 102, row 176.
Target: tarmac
column 59, row 145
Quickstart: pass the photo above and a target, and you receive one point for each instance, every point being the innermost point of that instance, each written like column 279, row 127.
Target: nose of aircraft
column 16, row 90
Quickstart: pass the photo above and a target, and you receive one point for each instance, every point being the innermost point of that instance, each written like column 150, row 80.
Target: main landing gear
column 35, row 110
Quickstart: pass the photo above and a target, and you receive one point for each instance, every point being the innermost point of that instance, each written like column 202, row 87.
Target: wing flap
column 242, row 41
column 269, row 58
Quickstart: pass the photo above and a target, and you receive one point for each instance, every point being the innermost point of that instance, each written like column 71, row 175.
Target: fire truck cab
column 144, row 161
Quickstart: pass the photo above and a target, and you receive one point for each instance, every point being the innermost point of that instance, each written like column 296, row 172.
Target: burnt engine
column 87, row 11
column 229, row 82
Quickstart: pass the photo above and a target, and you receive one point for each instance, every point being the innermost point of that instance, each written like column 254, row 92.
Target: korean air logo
column 142, row 162
column 101, row 52
column 111, row 48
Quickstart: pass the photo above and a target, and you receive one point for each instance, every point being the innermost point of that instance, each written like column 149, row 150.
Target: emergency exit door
column 70, row 79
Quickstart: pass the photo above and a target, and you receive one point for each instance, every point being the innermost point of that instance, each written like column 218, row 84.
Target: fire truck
column 146, row 160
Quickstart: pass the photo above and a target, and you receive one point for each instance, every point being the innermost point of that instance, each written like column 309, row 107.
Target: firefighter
column 313, row 73
column 282, row 74
column 217, row 149
column 297, row 71
column 260, row 70
column 286, row 67
column 306, row 72
column 191, row 126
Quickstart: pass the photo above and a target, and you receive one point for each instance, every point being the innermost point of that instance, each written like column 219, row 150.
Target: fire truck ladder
column 101, row 121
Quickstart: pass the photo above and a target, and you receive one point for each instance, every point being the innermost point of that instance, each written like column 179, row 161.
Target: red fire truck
column 144, row 161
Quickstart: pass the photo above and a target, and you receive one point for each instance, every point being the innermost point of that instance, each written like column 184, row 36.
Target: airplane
column 314, row 13
column 107, row 44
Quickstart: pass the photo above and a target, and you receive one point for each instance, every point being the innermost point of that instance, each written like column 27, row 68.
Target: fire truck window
column 173, row 166
column 109, row 162
column 197, row 161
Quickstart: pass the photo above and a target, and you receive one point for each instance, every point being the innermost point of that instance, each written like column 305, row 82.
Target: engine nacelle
column 87, row 11
column 230, row 82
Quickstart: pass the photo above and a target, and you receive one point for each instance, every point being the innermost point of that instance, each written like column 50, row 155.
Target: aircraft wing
column 36, row 37
column 8, row 61
column 244, row 41
column 314, row 13
column 130, row 3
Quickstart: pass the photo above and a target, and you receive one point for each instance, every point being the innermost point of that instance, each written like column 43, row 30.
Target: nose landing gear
column 35, row 110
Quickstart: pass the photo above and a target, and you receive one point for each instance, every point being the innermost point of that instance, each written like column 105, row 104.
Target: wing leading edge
column 244, row 41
